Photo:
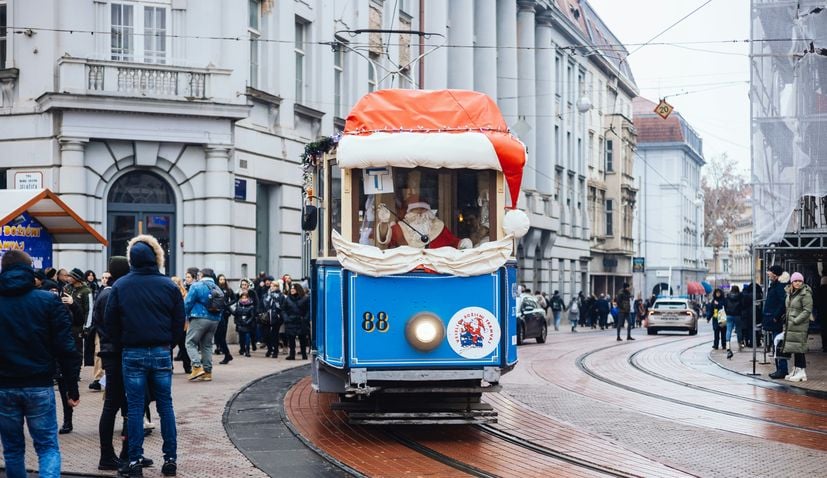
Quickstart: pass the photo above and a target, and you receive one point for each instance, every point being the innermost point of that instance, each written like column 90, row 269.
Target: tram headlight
column 425, row 331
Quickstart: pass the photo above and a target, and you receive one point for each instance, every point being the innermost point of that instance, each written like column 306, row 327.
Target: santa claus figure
column 419, row 228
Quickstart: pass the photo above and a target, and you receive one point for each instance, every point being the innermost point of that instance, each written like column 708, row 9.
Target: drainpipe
column 421, row 44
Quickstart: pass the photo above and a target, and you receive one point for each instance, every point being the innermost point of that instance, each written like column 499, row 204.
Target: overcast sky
column 707, row 83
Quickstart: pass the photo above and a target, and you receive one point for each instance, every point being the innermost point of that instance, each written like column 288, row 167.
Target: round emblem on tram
column 473, row 332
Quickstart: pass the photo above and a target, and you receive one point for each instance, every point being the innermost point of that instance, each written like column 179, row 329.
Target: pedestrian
column 774, row 311
column 144, row 317
column 640, row 310
column 244, row 318
column 221, row 332
column 74, row 295
column 115, row 396
column 590, row 309
column 182, row 354
column 733, row 308
column 35, row 335
column 574, row 312
column 190, row 277
column 799, row 305
column 603, row 309
column 820, row 305
column 296, row 320
column 748, row 307
column 557, row 306
column 714, row 313
column 273, row 304
column 203, row 306
column 624, row 307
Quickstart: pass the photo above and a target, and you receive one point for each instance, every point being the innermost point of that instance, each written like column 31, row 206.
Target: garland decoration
column 312, row 160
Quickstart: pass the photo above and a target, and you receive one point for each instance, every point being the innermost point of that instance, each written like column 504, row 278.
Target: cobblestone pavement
column 704, row 451
column 204, row 450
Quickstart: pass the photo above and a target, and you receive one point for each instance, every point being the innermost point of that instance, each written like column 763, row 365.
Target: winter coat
column 799, row 305
column 624, row 299
column 245, row 316
column 145, row 308
column 716, row 303
column 603, row 307
column 734, row 304
column 557, row 303
column 820, row 303
column 296, row 315
column 35, row 334
column 229, row 300
column 198, row 298
column 774, row 307
column 107, row 349
column 273, row 305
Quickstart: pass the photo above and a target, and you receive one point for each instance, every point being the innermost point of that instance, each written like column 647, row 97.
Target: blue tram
column 413, row 275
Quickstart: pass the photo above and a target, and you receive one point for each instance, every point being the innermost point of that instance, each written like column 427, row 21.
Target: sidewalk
column 204, row 449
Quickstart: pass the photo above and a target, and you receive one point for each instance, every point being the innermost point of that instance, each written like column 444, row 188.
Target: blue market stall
column 35, row 220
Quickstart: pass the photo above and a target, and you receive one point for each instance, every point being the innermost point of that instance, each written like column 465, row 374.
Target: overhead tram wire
column 26, row 30
column 667, row 29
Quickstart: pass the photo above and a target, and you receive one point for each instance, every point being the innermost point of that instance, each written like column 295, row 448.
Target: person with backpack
column 557, row 306
column 574, row 312
column 203, row 306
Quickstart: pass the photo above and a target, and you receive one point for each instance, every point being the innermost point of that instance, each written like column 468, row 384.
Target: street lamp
column 718, row 223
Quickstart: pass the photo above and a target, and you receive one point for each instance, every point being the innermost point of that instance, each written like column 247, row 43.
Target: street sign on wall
column 28, row 180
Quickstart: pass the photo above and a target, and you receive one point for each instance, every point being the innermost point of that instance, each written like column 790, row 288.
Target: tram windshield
column 424, row 207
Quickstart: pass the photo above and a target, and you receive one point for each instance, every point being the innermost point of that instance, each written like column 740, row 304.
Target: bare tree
column 725, row 195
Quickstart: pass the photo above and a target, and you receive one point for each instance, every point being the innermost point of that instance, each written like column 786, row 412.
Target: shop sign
column 26, row 234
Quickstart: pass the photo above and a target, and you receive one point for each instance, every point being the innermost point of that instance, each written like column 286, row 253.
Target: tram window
column 333, row 198
column 460, row 198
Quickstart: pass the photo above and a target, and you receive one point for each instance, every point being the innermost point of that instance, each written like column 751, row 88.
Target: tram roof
column 62, row 223
column 461, row 128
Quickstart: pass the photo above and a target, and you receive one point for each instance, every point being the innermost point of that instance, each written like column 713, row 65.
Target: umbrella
column 694, row 288
column 707, row 286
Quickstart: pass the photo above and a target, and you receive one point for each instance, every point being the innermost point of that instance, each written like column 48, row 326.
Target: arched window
column 141, row 187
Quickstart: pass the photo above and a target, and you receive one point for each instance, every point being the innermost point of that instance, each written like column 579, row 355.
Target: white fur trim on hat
column 419, row 205
column 516, row 223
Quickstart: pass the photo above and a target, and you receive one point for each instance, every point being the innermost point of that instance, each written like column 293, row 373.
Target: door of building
column 141, row 202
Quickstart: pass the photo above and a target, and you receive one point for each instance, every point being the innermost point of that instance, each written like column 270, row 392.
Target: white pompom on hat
column 516, row 223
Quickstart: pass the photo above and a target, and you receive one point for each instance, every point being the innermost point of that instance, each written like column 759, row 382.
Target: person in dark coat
column 774, row 313
column 244, row 315
column 734, row 310
column 715, row 312
column 221, row 347
column 296, row 320
column 820, row 305
column 603, row 308
column 35, row 337
column 115, row 397
column 749, row 306
column 144, row 317
column 273, row 305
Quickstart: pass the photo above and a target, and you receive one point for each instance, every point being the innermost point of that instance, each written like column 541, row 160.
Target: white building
column 186, row 119
column 671, row 220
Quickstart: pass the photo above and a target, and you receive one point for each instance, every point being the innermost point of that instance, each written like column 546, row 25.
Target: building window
column 338, row 77
column 131, row 20
column 254, row 28
column 301, row 41
column 122, row 30
column 3, row 25
column 255, row 14
column 155, row 35
column 609, row 217
column 609, row 156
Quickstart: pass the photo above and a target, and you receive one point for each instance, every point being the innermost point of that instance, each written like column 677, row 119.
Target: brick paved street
column 204, row 450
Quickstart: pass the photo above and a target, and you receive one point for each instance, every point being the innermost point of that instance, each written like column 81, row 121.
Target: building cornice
column 67, row 101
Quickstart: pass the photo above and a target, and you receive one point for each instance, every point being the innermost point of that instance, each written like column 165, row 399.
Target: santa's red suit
column 439, row 235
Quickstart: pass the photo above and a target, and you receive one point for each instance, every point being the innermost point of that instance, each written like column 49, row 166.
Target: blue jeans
column 149, row 367
column 37, row 406
column 556, row 314
column 244, row 341
column 733, row 322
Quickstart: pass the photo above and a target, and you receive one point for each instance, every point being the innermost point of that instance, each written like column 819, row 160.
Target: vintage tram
column 412, row 268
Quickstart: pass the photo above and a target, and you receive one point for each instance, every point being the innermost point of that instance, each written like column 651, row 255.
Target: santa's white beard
column 421, row 221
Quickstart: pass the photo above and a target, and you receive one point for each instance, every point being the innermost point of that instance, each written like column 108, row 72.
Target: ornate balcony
column 102, row 77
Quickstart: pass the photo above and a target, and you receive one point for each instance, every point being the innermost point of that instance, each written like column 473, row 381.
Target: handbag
column 264, row 318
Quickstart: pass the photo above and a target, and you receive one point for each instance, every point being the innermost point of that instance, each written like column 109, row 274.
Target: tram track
column 582, row 366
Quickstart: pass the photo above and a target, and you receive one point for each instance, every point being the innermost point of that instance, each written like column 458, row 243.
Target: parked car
column 672, row 314
column 531, row 323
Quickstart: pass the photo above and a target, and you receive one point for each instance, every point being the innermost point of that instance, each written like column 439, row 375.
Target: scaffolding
column 788, row 96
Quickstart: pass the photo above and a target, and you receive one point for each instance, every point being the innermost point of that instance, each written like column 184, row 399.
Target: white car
column 672, row 313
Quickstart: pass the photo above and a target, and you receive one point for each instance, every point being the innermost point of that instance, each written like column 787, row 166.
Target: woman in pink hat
column 799, row 312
